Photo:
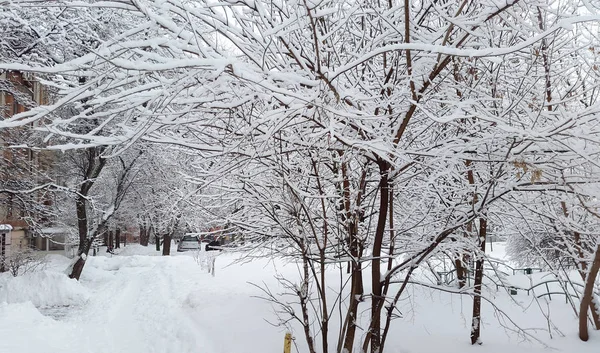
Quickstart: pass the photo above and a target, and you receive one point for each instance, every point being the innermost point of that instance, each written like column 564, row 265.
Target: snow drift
column 43, row 289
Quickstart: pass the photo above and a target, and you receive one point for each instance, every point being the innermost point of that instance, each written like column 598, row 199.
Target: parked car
column 207, row 238
column 189, row 242
column 213, row 245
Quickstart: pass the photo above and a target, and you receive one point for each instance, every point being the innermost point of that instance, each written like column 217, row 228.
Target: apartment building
column 23, row 168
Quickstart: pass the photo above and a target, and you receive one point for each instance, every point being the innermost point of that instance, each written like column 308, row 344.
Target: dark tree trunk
column 105, row 238
column 356, row 294
column 304, row 300
column 84, row 242
column 94, row 164
column 476, row 321
column 323, row 295
column 465, row 258
column 460, row 271
column 81, row 258
column 111, row 243
column 374, row 333
column 166, row 245
column 583, row 272
column 583, row 268
column 588, row 296
column 144, row 235
column 390, row 262
column 82, row 227
column 146, row 238
column 356, row 249
column 157, row 239
column 117, row 238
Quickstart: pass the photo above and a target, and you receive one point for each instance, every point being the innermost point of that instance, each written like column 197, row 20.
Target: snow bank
column 56, row 262
column 43, row 289
column 137, row 249
column 24, row 329
column 21, row 313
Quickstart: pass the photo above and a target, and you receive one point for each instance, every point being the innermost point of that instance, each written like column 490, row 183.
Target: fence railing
column 449, row 277
column 524, row 270
column 513, row 290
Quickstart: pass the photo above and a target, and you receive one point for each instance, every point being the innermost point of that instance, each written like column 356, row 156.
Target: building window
column 9, row 206
column 2, row 251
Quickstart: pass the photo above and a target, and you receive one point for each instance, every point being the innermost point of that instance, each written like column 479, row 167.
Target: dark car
column 213, row 245
column 207, row 238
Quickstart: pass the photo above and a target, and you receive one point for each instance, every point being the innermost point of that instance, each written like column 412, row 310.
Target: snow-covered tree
column 378, row 134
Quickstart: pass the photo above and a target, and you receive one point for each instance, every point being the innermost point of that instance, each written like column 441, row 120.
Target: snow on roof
column 54, row 230
column 5, row 227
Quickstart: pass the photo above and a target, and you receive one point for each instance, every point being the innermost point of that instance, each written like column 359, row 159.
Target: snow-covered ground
column 139, row 302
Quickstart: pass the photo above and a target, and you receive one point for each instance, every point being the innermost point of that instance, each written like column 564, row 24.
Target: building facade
column 23, row 169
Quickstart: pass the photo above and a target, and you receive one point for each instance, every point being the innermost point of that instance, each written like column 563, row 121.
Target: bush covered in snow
column 21, row 261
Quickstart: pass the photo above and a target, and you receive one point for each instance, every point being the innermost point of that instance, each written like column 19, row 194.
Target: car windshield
column 189, row 238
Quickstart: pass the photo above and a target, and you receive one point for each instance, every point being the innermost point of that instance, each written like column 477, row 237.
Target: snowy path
column 140, row 311
column 140, row 304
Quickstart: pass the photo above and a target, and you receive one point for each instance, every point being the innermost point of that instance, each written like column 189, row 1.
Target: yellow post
column 287, row 343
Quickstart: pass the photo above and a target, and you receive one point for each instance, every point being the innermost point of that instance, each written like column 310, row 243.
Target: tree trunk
column 144, row 236
column 390, row 262
column 323, row 295
column 356, row 294
column 476, row 322
column 355, row 246
column 95, row 164
column 588, row 296
column 81, row 258
column 82, row 227
column 304, row 300
column 583, row 267
column 117, row 238
column 157, row 239
column 374, row 333
column 583, row 272
column 464, row 257
column 460, row 271
column 166, row 245
column 111, row 243
column 84, row 243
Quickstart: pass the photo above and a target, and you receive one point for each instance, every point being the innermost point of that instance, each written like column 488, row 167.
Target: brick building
column 23, row 168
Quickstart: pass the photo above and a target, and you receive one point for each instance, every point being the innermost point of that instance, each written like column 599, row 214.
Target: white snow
column 137, row 302
column 43, row 289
